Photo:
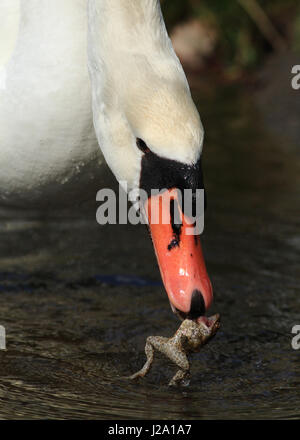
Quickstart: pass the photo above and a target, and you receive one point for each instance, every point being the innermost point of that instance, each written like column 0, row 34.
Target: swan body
column 48, row 149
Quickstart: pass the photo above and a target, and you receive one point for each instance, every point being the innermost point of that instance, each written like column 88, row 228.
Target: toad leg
column 178, row 356
column 181, row 376
column 151, row 343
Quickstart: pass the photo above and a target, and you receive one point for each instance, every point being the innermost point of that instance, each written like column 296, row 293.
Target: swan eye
column 142, row 146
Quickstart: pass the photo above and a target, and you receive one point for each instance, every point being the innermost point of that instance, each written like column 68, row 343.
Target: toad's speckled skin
column 189, row 338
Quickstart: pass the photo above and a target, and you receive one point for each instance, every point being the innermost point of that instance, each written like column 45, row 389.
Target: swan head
column 151, row 135
column 154, row 143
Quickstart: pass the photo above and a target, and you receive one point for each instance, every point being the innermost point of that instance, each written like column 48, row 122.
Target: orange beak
column 180, row 258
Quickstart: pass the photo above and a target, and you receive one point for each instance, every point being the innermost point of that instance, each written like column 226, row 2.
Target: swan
column 76, row 75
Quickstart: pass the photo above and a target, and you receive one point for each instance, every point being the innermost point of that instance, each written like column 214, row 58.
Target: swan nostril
column 197, row 305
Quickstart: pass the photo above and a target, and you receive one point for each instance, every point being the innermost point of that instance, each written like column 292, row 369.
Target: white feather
column 137, row 89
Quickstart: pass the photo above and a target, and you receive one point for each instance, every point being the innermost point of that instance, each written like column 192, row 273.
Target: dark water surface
column 78, row 300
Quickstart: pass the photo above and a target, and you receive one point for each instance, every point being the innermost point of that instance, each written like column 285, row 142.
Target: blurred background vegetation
column 231, row 36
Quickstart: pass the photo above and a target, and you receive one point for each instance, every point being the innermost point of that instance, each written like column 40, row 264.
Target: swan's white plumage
column 46, row 133
column 9, row 26
column 138, row 89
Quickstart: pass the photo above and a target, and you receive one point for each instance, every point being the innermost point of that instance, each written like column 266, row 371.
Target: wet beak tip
column 197, row 305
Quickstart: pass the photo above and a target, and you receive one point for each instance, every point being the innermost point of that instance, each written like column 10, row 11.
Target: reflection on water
column 78, row 301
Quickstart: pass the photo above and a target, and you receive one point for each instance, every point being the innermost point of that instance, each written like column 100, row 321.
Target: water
column 78, row 300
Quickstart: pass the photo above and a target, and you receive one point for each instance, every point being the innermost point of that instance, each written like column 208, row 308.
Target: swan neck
column 126, row 28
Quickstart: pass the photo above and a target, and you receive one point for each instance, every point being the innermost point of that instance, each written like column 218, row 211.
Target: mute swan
column 136, row 104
